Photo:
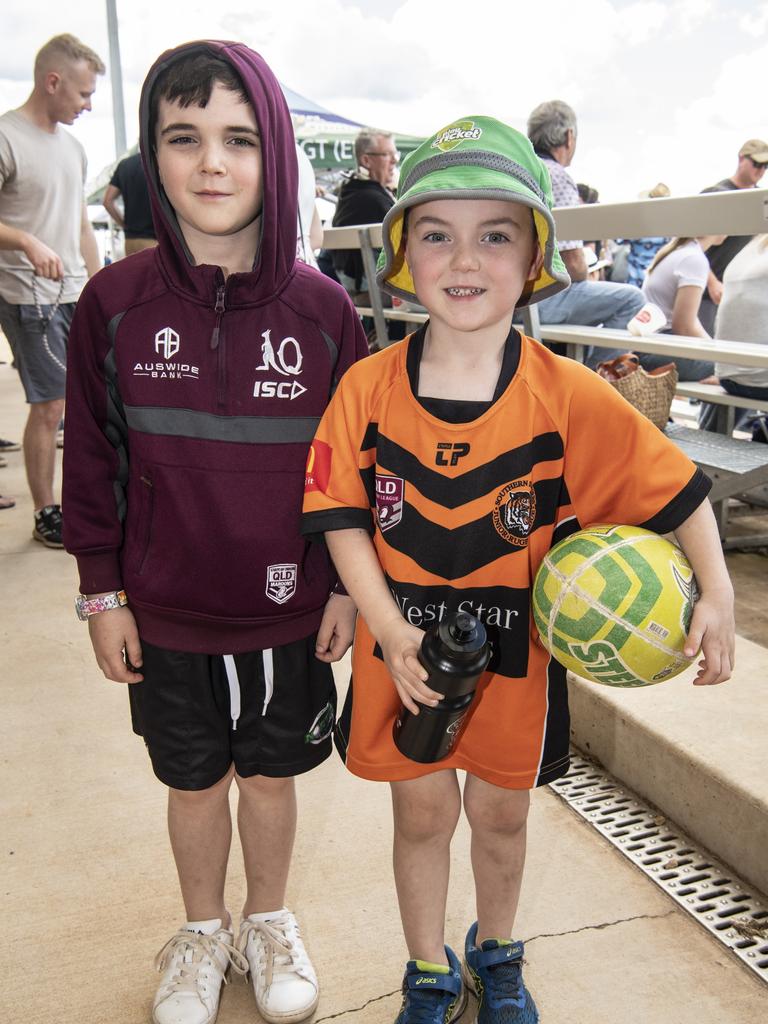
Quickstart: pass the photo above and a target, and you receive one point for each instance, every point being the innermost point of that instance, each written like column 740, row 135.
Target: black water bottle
column 455, row 653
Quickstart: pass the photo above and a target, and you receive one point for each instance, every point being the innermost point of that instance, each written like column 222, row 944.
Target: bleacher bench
column 733, row 465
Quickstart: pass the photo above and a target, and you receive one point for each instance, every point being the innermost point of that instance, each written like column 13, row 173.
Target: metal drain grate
column 728, row 908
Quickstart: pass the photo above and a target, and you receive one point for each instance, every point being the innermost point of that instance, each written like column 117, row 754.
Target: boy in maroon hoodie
column 199, row 371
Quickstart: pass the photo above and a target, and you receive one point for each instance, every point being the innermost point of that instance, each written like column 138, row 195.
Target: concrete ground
column 89, row 889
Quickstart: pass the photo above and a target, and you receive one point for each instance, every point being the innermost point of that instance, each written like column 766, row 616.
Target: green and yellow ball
column 614, row 603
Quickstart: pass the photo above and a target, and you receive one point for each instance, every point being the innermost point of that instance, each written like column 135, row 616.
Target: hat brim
column 394, row 274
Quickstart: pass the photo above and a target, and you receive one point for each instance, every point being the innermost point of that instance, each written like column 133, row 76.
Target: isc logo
column 278, row 389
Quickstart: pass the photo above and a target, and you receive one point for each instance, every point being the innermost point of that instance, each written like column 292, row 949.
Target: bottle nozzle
column 463, row 628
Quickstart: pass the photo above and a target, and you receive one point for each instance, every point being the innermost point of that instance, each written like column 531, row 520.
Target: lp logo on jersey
column 449, row 454
column 281, row 582
column 389, row 500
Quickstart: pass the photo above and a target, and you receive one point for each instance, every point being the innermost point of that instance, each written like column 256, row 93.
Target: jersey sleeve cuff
column 675, row 512
column 99, row 573
column 313, row 523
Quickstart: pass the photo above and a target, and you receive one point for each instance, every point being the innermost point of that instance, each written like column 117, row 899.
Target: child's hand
column 712, row 631
column 337, row 628
column 112, row 633
column 400, row 642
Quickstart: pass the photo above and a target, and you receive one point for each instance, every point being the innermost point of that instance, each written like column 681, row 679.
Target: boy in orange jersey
column 443, row 470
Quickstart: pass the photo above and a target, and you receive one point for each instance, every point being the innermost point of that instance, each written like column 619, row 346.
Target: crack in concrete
column 533, row 938
column 599, row 927
column 357, row 1009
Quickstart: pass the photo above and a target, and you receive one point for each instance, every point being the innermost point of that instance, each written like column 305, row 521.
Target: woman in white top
column 743, row 316
column 675, row 282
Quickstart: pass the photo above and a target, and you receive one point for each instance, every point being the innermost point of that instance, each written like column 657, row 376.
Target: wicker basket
column 651, row 394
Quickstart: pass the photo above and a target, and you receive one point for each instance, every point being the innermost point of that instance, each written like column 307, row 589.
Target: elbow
column 685, row 327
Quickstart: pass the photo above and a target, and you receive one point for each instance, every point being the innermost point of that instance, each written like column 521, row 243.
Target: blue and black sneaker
column 495, row 973
column 432, row 993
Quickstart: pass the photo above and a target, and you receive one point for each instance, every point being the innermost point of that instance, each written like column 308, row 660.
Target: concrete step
column 697, row 753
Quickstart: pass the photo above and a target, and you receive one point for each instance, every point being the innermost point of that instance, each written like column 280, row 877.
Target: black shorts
column 268, row 712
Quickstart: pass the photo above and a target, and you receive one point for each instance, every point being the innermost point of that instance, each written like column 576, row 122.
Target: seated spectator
column 552, row 130
column 743, row 316
column 589, row 196
column 642, row 250
column 675, row 282
column 129, row 182
column 364, row 198
column 751, row 166
column 595, row 267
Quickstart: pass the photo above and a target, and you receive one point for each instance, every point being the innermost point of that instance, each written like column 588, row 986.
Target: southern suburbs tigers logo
column 515, row 512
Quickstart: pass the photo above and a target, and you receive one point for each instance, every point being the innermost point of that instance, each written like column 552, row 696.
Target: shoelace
column 203, row 950
column 281, row 951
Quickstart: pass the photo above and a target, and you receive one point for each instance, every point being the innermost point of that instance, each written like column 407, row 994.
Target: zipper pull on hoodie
column 219, row 309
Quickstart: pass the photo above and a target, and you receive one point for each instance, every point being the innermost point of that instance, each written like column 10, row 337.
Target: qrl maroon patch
column 281, row 582
column 389, row 500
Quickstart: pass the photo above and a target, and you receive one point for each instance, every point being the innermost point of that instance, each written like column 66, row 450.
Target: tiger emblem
column 514, row 512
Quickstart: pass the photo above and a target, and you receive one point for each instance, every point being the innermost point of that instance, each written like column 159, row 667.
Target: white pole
column 118, row 107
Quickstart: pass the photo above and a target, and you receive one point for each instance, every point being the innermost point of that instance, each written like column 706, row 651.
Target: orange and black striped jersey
column 461, row 516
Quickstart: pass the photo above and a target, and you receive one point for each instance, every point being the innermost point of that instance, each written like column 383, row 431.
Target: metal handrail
column 741, row 212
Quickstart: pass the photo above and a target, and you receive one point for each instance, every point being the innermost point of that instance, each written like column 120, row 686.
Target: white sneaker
column 194, row 963
column 283, row 978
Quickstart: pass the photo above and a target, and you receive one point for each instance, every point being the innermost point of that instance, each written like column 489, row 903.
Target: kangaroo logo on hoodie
column 287, row 361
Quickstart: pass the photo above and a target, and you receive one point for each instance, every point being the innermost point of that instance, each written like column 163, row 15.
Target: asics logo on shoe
column 426, row 981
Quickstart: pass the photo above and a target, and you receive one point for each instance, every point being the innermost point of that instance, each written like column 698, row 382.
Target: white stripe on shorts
column 234, row 688
column 269, row 679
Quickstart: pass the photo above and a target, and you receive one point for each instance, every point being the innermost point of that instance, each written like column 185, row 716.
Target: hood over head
column 276, row 255
column 473, row 158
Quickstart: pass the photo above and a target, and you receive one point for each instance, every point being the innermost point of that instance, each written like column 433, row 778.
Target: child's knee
column 193, row 798
column 264, row 785
column 490, row 808
column 422, row 814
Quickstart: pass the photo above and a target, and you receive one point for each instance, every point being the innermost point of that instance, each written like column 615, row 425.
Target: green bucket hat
column 473, row 158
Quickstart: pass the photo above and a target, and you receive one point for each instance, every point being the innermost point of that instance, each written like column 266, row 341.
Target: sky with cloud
column 663, row 91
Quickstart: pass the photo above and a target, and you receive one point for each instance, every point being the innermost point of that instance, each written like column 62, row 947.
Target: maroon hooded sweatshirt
column 191, row 405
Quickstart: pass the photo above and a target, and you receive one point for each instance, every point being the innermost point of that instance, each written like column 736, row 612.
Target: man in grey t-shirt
column 47, row 250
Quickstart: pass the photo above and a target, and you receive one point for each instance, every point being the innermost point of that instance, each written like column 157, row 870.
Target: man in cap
column 753, row 160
